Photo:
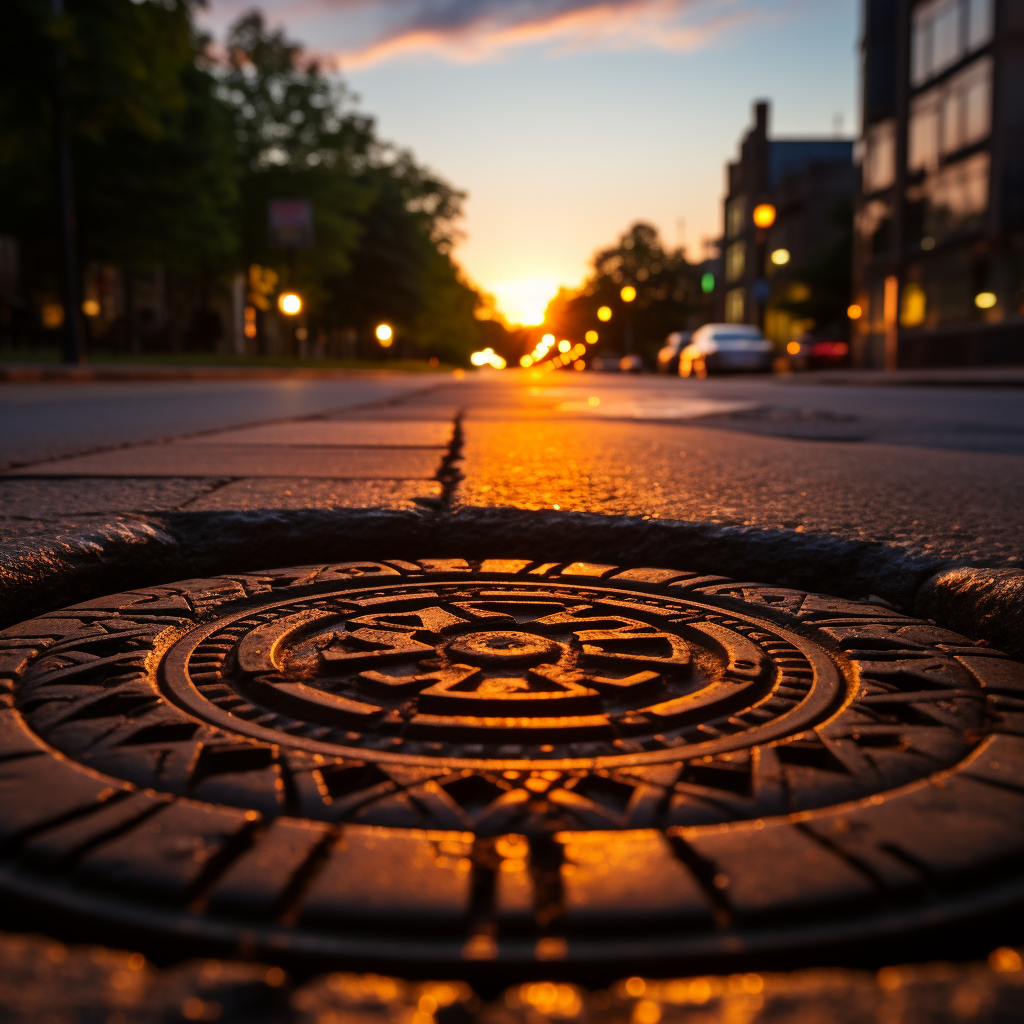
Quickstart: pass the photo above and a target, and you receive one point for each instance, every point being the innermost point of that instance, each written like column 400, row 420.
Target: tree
column 667, row 295
column 384, row 225
column 154, row 163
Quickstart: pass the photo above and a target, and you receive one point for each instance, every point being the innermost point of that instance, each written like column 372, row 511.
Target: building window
column 968, row 115
column 956, row 197
column 950, row 117
column 734, row 303
column 923, row 131
column 946, row 31
column 734, row 217
column 735, row 261
column 880, row 156
column 874, row 224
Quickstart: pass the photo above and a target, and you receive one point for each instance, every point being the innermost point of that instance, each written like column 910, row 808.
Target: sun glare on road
column 523, row 301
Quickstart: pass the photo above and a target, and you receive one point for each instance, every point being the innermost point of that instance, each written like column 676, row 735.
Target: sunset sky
column 567, row 120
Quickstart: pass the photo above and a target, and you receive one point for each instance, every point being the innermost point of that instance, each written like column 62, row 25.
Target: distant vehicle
column 829, row 353
column 807, row 353
column 668, row 356
column 616, row 364
column 726, row 348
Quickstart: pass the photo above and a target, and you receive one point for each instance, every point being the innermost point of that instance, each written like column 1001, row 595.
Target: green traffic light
column 707, row 283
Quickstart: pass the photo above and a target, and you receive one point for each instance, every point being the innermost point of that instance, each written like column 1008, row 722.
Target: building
column 809, row 184
column 939, row 251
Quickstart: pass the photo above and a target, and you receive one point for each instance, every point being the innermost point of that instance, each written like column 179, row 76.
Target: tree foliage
column 176, row 157
column 668, row 296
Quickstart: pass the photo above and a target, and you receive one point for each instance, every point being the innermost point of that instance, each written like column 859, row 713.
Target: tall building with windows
column 939, row 240
column 807, row 183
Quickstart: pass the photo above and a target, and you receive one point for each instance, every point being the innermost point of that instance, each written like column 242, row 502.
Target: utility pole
column 74, row 339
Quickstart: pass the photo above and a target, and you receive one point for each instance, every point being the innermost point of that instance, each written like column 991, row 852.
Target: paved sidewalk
column 581, row 442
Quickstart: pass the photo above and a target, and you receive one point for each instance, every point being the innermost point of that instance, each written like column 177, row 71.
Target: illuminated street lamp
column 289, row 303
column 764, row 215
column 628, row 294
column 384, row 335
column 604, row 314
column 591, row 337
column 780, row 257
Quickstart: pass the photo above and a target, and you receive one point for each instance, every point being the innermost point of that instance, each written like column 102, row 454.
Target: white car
column 726, row 348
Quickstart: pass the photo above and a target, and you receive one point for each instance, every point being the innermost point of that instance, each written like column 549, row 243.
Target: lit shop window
column 945, row 31
column 735, row 261
column 879, row 156
column 735, row 213
column 734, row 303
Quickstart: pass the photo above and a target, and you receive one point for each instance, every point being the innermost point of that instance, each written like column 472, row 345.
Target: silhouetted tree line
column 668, row 297
column 176, row 153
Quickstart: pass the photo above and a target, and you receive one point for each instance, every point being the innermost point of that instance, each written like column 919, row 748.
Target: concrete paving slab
column 49, row 499
column 304, row 492
column 946, row 503
column 50, row 420
column 343, row 433
column 237, row 460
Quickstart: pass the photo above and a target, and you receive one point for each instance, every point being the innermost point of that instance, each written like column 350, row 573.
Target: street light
column 289, row 303
column 591, row 337
column 604, row 314
column 780, row 257
column 764, row 215
column 628, row 294
column 384, row 335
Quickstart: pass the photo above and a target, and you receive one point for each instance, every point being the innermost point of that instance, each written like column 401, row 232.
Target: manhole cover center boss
column 481, row 671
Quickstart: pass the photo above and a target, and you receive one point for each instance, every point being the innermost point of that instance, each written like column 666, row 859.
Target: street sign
column 290, row 223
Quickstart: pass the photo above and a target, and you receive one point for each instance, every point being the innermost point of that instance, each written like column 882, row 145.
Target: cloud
column 363, row 32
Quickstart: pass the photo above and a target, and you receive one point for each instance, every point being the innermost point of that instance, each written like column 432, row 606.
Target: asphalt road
column 45, row 421
column 936, row 470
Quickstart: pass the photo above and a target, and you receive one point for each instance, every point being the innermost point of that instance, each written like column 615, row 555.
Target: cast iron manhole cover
column 443, row 764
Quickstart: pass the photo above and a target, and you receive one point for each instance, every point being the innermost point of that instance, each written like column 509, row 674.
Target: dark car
column 668, row 355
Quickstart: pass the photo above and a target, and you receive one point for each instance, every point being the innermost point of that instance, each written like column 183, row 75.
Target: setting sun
column 523, row 302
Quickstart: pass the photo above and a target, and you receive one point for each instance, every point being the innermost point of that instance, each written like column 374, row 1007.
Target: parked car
column 668, row 355
column 726, row 348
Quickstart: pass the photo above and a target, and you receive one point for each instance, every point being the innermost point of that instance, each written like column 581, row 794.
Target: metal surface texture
column 505, row 766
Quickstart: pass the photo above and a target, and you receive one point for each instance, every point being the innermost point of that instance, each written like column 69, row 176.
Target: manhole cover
column 434, row 764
